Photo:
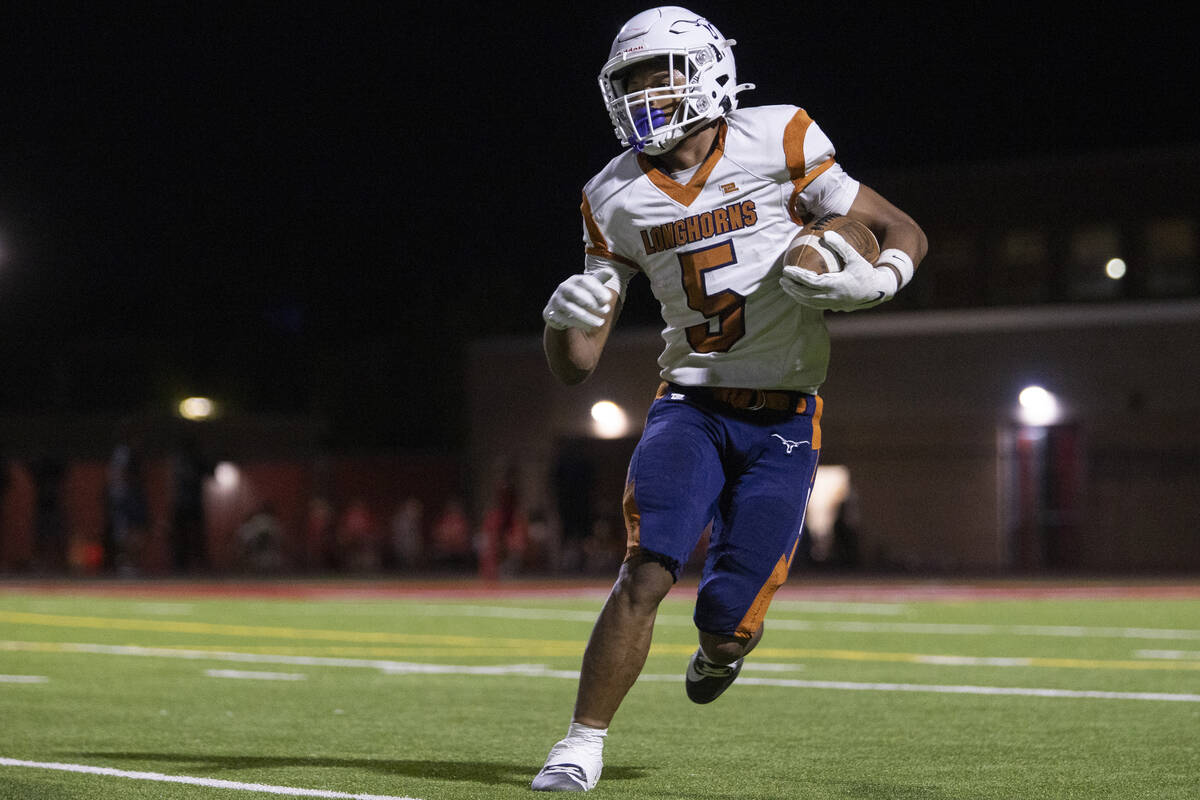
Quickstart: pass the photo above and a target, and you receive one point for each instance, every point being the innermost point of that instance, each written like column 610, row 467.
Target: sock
column 585, row 733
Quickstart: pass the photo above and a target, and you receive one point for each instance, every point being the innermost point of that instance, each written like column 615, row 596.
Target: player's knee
column 643, row 583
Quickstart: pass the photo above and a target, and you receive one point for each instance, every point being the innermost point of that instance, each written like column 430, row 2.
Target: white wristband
column 901, row 261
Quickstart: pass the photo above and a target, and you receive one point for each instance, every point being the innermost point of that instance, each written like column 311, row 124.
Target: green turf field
column 890, row 694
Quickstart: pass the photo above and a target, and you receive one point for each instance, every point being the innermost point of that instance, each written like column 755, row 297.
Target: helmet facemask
column 699, row 76
column 654, row 118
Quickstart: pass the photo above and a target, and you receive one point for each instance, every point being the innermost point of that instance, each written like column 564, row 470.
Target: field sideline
column 454, row 689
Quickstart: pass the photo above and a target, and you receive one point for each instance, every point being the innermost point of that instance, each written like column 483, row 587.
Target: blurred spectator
column 49, row 531
column 5, row 479
column 504, row 530
column 574, row 475
column 260, row 541
column 321, row 534
column 358, row 538
column 127, row 514
column 450, row 541
column 85, row 556
column 320, row 522
column 845, row 532
column 189, row 470
column 408, row 534
column 604, row 549
column 541, row 549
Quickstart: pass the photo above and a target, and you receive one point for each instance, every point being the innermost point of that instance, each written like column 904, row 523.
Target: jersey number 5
column 725, row 309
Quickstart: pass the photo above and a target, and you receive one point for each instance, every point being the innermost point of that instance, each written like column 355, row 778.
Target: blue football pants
column 749, row 474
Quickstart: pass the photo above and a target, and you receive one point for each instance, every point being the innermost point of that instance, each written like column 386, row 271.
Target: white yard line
column 983, row 690
column 500, row 612
column 834, row 607
column 157, row 609
column 519, row 612
column 211, row 783
column 777, row 623
column 260, row 676
column 974, row 661
column 1018, row 691
column 965, row 629
column 385, row 665
column 772, row 666
column 1172, row 655
column 541, row 671
column 23, row 679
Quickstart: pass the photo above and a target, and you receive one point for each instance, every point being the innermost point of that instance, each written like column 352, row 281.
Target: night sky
column 318, row 205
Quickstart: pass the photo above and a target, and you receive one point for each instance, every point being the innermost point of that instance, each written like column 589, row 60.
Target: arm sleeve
column 624, row 273
column 833, row 191
column 598, row 253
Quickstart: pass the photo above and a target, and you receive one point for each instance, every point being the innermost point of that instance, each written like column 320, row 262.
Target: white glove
column 581, row 301
column 859, row 285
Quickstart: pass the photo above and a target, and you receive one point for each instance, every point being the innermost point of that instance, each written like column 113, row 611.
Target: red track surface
column 801, row 587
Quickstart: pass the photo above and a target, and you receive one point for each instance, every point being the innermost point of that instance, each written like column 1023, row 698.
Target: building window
column 1021, row 268
column 1089, row 272
column 953, row 265
column 1171, row 262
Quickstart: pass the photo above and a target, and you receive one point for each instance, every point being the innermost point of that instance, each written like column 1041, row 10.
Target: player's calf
column 716, row 664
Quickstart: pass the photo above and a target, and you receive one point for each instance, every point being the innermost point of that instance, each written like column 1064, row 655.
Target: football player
column 703, row 202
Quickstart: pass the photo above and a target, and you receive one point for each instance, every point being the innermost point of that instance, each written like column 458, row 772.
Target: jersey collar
column 686, row 194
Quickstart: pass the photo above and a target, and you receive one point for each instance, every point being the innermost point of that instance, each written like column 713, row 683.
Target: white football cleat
column 572, row 766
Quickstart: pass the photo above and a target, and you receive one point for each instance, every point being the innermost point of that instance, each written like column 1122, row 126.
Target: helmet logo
column 699, row 22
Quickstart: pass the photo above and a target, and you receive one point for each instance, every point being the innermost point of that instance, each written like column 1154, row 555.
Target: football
column 809, row 251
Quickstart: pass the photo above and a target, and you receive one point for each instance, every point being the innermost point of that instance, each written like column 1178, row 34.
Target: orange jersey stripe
column 611, row 256
column 793, row 143
column 598, row 242
column 798, row 185
column 599, row 245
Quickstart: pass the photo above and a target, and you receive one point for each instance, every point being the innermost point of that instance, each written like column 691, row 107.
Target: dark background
column 314, row 208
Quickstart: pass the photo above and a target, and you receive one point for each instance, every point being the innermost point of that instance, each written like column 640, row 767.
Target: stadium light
column 1038, row 407
column 197, row 409
column 227, row 475
column 609, row 420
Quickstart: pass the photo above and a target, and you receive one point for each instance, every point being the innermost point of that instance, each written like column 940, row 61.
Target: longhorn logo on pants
column 788, row 443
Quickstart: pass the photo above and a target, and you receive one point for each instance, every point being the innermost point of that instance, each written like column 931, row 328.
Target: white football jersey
column 712, row 245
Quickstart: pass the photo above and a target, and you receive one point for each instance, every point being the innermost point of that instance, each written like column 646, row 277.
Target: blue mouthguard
column 644, row 123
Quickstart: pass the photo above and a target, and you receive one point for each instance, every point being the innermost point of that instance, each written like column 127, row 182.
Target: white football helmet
column 703, row 84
